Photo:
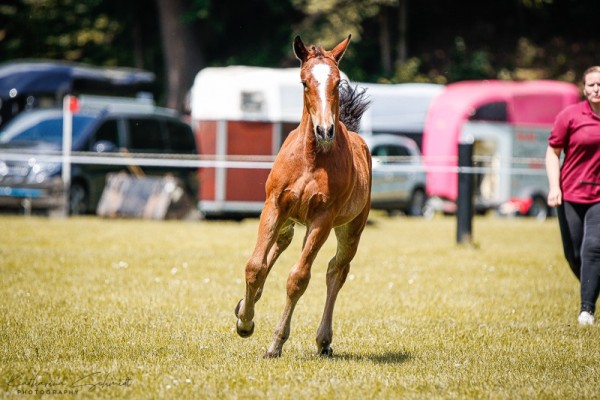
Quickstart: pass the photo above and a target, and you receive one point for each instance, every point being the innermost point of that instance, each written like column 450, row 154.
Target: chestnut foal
column 321, row 178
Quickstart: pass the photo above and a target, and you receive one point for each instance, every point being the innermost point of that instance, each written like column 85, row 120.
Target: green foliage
column 96, row 32
column 409, row 72
column 199, row 10
column 148, row 308
column 62, row 29
column 468, row 64
column 536, row 3
column 522, row 39
column 332, row 20
column 249, row 33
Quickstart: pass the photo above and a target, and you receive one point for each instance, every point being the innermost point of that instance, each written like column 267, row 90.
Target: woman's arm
column 553, row 172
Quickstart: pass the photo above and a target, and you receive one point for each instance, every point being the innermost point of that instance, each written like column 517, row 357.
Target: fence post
column 70, row 106
column 464, row 207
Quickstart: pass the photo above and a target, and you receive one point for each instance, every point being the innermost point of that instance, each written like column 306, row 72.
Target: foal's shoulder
column 357, row 141
column 290, row 140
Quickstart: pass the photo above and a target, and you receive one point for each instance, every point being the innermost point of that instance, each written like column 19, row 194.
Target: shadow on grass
column 389, row 357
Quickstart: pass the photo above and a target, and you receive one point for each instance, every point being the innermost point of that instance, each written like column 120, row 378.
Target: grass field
column 95, row 308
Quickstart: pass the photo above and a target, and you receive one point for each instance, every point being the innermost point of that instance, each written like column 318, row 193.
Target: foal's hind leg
column 271, row 231
column 296, row 285
column 348, row 237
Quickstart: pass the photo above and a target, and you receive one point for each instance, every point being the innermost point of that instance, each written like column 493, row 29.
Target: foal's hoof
column 326, row 352
column 243, row 331
column 274, row 354
column 237, row 308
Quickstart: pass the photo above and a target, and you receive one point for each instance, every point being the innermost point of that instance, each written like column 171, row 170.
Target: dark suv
column 102, row 125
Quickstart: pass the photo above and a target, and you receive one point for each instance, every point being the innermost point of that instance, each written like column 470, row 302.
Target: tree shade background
column 393, row 40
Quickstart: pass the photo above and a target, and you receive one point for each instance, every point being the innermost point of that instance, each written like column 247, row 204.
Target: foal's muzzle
column 325, row 134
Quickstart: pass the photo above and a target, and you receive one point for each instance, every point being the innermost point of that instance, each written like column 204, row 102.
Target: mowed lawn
column 94, row 308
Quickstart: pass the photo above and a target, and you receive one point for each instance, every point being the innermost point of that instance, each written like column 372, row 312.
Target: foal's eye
column 304, row 85
column 336, row 87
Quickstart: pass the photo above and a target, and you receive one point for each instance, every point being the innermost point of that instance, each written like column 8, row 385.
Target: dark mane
column 353, row 104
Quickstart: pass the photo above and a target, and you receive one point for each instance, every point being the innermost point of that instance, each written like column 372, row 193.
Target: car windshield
column 44, row 126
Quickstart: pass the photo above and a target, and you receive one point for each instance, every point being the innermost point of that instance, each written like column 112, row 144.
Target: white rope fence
column 407, row 164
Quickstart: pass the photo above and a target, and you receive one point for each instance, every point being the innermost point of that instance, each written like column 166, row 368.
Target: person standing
column 574, row 188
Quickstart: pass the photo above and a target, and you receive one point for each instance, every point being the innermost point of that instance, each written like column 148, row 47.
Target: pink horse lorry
column 508, row 123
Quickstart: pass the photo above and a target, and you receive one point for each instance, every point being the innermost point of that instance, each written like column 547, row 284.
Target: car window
column 146, row 135
column 390, row 151
column 495, row 111
column 108, row 131
column 49, row 131
column 42, row 127
column 181, row 138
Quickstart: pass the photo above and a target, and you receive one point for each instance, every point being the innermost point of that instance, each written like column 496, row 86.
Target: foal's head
column 320, row 77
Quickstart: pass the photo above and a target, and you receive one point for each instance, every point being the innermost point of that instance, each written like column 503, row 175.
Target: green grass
column 148, row 306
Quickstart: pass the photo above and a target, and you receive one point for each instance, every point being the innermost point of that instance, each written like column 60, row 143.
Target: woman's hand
column 554, row 197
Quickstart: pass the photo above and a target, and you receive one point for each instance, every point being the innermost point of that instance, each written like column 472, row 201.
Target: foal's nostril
column 320, row 132
column 330, row 132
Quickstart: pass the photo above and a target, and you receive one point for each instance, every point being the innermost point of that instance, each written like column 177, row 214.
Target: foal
column 321, row 178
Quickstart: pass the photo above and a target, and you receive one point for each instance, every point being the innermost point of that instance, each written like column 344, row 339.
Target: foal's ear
column 300, row 49
column 339, row 50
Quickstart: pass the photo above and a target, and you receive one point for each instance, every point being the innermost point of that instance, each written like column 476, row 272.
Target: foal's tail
column 353, row 104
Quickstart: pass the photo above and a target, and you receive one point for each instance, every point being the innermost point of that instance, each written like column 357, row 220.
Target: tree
column 391, row 15
column 56, row 29
column 328, row 19
column 393, row 40
column 183, row 56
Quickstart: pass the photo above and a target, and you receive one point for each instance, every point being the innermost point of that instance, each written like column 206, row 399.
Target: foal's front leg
column 257, row 269
column 297, row 283
column 284, row 238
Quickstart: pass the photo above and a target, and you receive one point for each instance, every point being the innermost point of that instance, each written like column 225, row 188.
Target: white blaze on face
column 321, row 73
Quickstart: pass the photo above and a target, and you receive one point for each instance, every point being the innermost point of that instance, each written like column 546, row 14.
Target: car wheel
column 78, row 197
column 417, row 203
column 539, row 208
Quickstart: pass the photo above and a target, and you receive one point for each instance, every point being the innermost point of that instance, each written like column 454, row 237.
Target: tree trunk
column 385, row 46
column 401, row 47
column 181, row 52
column 138, row 44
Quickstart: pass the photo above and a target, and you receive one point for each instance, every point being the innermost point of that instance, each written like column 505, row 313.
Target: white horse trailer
column 241, row 113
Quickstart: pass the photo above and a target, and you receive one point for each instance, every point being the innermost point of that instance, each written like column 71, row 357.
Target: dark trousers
column 580, row 231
